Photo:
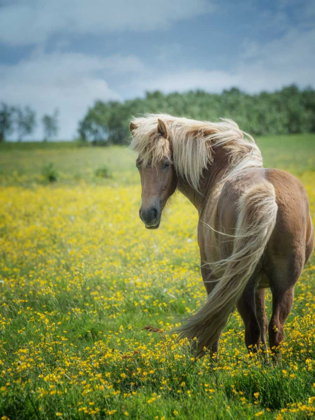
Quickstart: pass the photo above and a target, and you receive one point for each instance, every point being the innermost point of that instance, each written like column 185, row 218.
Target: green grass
column 22, row 163
column 295, row 153
column 80, row 279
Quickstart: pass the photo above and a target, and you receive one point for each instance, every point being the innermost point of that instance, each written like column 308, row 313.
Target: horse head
column 157, row 173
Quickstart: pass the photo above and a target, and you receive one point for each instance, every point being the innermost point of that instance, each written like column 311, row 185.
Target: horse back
column 293, row 231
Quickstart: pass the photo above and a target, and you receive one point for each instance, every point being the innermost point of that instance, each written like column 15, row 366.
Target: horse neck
column 210, row 178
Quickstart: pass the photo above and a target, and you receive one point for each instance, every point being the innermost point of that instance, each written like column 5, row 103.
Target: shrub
column 49, row 173
column 103, row 172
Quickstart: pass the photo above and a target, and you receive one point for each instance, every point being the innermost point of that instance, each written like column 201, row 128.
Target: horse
column 254, row 231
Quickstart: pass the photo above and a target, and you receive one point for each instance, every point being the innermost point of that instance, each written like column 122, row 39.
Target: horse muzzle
column 151, row 216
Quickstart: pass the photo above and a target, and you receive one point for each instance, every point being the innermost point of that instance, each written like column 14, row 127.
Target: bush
column 103, row 172
column 49, row 173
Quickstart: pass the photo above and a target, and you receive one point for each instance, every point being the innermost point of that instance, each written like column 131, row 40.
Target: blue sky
column 67, row 53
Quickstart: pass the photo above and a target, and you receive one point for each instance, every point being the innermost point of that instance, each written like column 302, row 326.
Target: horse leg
column 210, row 281
column 281, row 307
column 247, row 309
column 261, row 316
column 283, row 274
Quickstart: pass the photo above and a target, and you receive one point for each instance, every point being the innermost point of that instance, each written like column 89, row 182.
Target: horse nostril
column 149, row 215
column 154, row 213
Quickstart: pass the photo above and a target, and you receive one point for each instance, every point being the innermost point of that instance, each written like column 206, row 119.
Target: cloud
column 68, row 81
column 26, row 22
column 289, row 59
column 73, row 81
column 302, row 11
column 183, row 80
column 286, row 60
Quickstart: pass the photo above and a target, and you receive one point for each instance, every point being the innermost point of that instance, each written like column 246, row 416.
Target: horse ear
column 132, row 127
column 162, row 129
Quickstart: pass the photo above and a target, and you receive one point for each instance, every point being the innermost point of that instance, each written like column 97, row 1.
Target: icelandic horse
column 254, row 231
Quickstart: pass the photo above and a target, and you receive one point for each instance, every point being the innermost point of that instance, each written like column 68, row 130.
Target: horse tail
column 257, row 212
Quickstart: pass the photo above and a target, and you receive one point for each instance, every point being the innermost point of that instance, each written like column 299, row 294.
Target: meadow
column 89, row 296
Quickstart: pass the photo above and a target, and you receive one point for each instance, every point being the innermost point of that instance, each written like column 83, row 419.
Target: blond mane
column 191, row 145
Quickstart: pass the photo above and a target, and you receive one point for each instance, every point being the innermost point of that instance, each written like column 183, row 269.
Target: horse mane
column 191, row 144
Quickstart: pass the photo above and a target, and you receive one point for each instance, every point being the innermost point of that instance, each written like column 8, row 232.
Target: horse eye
column 166, row 165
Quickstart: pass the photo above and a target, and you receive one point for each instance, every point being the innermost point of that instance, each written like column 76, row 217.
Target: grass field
column 88, row 295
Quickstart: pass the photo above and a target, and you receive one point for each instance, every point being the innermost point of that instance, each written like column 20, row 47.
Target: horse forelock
column 191, row 144
column 149, row 144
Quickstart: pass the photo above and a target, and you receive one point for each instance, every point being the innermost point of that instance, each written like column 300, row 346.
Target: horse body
column 280, row 265
column 254, row 227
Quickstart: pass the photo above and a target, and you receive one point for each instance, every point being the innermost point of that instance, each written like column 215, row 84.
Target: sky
column 66, row 54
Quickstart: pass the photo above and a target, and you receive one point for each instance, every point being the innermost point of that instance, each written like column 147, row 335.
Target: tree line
column 286, row 111
column 22, row 121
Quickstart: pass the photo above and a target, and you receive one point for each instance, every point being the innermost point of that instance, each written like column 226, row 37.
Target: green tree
column 50, row 125
column 94, row 126
column 289, row 110
column 6, row 121
column 25, row 121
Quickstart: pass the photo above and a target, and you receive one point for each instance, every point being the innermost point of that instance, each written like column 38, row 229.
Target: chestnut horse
column 254, row 230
